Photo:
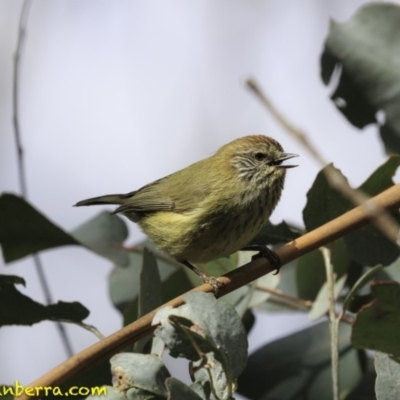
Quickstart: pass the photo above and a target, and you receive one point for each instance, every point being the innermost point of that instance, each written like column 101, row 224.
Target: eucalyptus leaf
column 150, row 296
column 124, row 281
column 287, row 285
column 240, row 297
column 178, row 390
column 150, row 284
column 311, row 271
column 260, row 296
column 248, row 320
column 275, row 234
column 103, row 234
column 377, row 326
column 387, row 380
column 393, row 271
column 211, row 325
column 251, row 295
column 310, row 274
column 24, row 230
column 365, row 390
column 366, row 49
column 323, row 202
column 18, row 309
column 173, row 286
column 140, row 372
column 366, row 245
column 298, row 366
column 216, row 377
column 321, row 304
column 203, row 390
column 364, row 279
column 140, row 394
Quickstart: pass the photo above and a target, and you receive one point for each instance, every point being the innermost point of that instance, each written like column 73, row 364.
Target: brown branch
column 286, row 299
column 382, row 220
column 348, row 222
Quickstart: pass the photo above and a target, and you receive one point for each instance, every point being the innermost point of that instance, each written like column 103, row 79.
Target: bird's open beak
column 286, row 156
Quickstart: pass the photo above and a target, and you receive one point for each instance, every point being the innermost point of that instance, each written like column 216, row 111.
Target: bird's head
column 257, row 159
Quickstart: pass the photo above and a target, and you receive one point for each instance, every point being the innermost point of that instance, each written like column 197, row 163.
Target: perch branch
column 348, row 222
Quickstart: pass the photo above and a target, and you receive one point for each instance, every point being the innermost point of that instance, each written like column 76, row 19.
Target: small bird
column 211, row 208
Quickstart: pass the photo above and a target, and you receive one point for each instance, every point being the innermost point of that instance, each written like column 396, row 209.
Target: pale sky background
column 115, row 94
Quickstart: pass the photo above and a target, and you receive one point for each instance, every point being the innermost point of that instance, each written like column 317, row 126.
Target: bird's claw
column 271, row 256
column 211, row 280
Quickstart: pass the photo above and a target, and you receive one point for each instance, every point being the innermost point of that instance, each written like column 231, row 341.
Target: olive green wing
column 176, row 192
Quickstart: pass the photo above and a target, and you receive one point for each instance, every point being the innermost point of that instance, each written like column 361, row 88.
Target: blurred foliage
column 388, row 372
column 298, row 366
column 18, row 309
column 364, row 54
column 366, row 50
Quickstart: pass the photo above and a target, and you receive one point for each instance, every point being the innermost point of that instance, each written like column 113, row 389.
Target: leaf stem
column 333, row 323
column 286, row 299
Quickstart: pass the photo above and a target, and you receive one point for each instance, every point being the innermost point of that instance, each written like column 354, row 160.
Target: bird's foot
column 267, row 253
column 211, row 280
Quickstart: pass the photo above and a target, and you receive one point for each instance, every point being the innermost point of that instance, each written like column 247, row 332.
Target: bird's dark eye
column 260, row 156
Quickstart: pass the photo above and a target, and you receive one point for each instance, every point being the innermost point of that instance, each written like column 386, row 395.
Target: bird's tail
column 108, row 199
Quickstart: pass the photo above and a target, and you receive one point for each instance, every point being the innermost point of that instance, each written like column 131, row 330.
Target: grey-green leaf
column 150, row 295
column 298, row 366
column 366, row 245
column 367, row 49
column 140, row 372
column 103, row 234
column 275, row 234
column 124, row 281
column 361, row 282
column 215, row 326
column 377, row 326
column 178, row 390
column 321, row 304
column 387, row 384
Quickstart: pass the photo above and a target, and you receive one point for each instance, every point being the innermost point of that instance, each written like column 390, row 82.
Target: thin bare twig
column 89, row 328
column 379, row 217
column 17, row 58
column 21, row 161
column 286, row 299
column 281, row 298
column 333, row 322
